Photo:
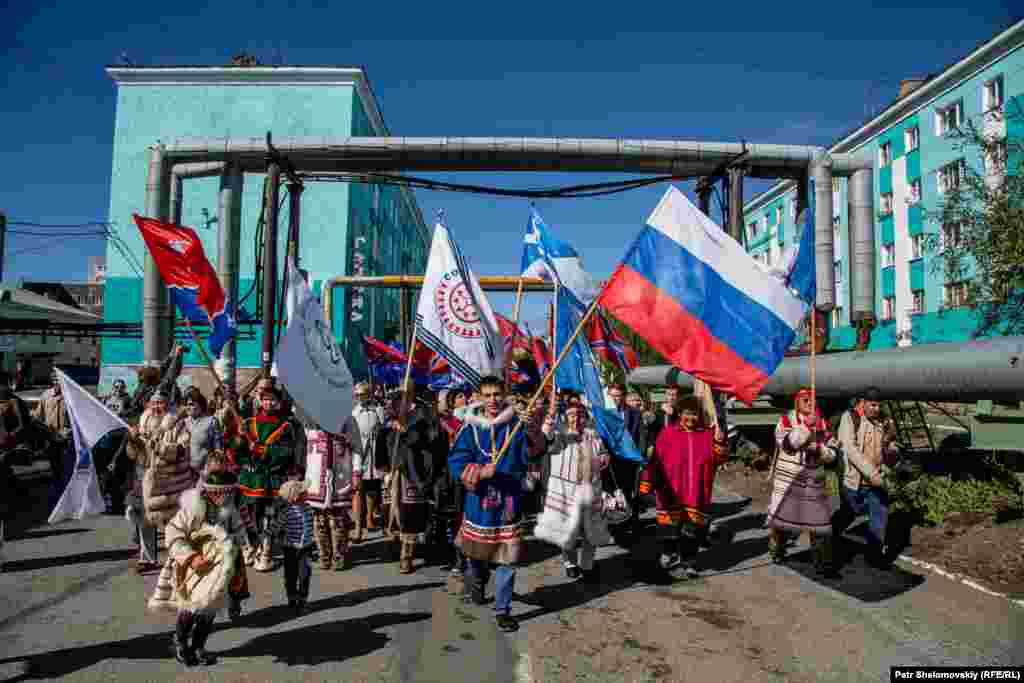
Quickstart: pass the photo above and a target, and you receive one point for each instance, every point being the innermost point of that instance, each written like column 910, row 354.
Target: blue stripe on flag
column 750, row 329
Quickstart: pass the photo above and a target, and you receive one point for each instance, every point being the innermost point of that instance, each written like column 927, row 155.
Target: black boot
column 182, row 630
column 204, row 626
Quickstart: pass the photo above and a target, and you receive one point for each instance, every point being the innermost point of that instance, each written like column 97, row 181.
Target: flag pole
column 551, row 373
column 206, row 356
column 554, row 327
column 519, row 301
column 814, row 349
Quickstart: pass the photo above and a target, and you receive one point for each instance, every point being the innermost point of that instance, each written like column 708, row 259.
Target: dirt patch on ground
column 972, row 545
column 668, row 634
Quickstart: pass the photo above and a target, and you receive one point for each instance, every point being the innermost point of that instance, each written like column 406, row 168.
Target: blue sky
column 700, row 71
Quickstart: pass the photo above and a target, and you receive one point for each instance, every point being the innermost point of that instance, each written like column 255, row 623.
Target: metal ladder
column 911, row 423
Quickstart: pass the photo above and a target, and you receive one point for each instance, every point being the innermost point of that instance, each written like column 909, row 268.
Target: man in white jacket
column 367, row 463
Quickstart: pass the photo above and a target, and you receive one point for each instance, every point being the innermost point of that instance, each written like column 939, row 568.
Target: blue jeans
column 856, row 502
column 504, row 582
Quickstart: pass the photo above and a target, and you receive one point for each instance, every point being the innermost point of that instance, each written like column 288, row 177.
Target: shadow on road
column 728, row 509
column 311, row 645
column 858, row 579
column 64, row 560
column 45, row 533
column 328, row 642
column 268, row 617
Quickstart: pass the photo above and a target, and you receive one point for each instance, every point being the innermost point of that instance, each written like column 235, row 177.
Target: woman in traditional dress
column 330, row 482
column 572, row 516
column 681, row 474
column 419, row 438
column 158, row 447
column 800, row 501
column 204, row 541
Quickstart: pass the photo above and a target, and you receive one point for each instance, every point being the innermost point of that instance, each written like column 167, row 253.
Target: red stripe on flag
column 679, row 336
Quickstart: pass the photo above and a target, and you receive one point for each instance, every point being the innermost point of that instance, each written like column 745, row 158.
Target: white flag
column 90, row 422
column 454, row 318
column 309, row 360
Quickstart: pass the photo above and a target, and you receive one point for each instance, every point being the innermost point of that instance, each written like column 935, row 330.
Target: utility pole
column 270, row 266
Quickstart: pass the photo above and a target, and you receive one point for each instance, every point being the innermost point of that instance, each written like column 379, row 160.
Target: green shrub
column 930, row 498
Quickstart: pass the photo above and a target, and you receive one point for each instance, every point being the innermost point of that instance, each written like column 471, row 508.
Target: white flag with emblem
column 309, row 360
column 454, row 318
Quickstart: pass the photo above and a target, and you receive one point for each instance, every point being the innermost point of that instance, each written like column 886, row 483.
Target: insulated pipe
column 862, row 229
column 229, row 222
column 957, row 372
column 686, row 158
column 735, row 227
column 270, row 266
column 179, row 172
column 155, row 298
column 824, row 247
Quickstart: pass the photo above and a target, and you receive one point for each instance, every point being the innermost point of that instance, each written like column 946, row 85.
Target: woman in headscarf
column 572, row 515
column 800, row 501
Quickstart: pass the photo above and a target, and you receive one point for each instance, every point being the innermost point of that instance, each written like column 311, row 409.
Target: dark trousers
column 298, row 565
column 870, row 500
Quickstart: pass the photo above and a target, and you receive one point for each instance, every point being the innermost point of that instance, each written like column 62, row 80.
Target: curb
column 935, row 569
column 959, row 578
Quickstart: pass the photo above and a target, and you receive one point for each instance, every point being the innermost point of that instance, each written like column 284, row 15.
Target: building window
column 916, row 246
column 915, row 192
column 949, row 117
column 767, row 219
column 835, row 229
column 995, row 159
column 888, row 255
column 951, row 175
column 837, row 317
column 956, row 294
column 778, row 214
column 753, row 230
column 912, row 138
column 837, row 272
column 918, row 301
column 992, row 94
column 768, row 258
column 885, row 154
column 888, row 308
column 886, row 203
column 792, row 209
column 951, row 236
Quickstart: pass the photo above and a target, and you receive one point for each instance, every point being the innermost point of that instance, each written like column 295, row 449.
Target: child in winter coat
column 296, row 518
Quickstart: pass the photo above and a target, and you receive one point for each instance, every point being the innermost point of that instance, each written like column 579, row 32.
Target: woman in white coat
column 572, row 517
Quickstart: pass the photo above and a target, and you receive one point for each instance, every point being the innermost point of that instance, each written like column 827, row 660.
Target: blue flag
column 803, row 279
column 578, row 371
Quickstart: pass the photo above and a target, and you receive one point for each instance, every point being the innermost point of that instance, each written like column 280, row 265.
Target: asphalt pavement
column 72, row 608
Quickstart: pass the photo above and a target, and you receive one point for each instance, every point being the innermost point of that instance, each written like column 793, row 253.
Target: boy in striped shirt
column 296, row 517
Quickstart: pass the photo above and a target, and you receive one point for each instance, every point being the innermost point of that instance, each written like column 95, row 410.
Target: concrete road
column 72, row 608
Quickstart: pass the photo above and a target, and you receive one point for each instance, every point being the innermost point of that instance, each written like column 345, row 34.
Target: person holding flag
column 491, row 535
column 88, row 421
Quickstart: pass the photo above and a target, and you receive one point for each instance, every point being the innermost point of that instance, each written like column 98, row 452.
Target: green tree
column 980, row 243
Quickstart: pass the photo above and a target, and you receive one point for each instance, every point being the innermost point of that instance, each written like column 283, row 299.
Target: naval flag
column 90, row 422
column 454, row 318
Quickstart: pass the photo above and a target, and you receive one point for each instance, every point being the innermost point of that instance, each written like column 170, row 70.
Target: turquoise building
column 915, row 162
column 346, row 228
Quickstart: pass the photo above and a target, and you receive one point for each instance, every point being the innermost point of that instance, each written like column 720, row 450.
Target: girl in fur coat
column 204, row 572
column 572, row 517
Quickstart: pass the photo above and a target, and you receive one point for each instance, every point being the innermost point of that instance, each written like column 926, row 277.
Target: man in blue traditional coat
column 491, row 533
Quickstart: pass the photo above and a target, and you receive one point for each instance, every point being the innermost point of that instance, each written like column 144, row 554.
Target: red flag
column 608, row 345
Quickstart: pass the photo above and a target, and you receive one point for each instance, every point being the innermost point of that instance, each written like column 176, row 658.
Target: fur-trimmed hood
column 194, row 503
column 504, row 417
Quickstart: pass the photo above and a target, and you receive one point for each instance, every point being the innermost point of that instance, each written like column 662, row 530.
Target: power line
column 33, row 224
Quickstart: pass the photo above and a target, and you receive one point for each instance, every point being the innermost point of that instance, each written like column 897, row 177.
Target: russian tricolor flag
column 698, row 298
